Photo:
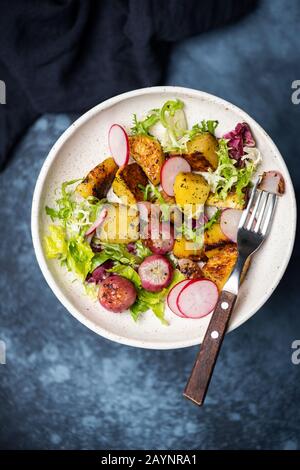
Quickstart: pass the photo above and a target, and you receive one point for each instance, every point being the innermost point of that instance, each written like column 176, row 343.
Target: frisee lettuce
column 143, row 127
column 171, row 117
column 231, row 176
column 75, row 214
column 66, row 240
column 205, row 126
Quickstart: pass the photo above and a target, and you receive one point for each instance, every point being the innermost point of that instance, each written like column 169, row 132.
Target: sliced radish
column 97, row 223
column 170, row 170
column 273, row 182
column 155, row 272
column 229, row 223
column 198, row 298
column 197, row 223
column 118, row 144
column 172, row 297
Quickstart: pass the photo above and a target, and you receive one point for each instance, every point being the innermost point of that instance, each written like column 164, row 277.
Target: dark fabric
column 68, row 55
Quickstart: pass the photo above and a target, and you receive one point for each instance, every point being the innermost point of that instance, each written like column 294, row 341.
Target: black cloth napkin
column 68, row 55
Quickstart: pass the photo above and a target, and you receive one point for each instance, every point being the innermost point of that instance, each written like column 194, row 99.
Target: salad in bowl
column 156, row 221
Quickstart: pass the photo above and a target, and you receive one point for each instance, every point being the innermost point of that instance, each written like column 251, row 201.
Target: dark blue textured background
column 65, row 387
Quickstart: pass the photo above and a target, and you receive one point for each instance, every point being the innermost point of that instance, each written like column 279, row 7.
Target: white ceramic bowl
column 84, row 145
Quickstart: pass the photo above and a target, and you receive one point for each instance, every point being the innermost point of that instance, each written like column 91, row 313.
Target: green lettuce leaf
column 129, row 273
column 154, row 301
column 79, row 257
column 55, row 244
column 244, row 179
column 66, row 240
column 116, row 252
column 142, row 251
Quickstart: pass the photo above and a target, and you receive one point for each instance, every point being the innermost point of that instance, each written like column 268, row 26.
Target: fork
column 253, row 229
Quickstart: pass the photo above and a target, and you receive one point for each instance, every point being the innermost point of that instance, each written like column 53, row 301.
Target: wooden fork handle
column 198, row 382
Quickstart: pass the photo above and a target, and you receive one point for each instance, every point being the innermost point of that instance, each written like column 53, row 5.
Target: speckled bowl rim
column 36, row 208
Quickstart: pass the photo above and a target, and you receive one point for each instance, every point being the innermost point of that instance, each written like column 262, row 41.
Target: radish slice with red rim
column 97, row 223
column 173, row 295
column 198, row 298
column 229, row 223
column 170, row 170
column 118, row 144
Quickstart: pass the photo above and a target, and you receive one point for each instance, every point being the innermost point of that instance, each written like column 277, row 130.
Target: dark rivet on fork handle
column 199, row 380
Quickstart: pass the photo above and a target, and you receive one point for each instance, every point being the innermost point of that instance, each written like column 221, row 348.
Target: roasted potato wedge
column 197, row 161
column 201, row 152
column 121, row 224
column 190, row 269
column 214, row 237
column 206, row 145
column 231, row 202
column 99, row 180
column 184, row 248
column 148, row 154
column 220, row 264
column 127, row 181
column 191, row 191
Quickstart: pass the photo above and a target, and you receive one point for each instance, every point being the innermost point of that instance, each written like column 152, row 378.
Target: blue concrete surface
column 63, row 387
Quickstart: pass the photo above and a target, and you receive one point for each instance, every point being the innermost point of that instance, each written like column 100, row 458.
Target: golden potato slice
column 190, row 269
column 191, row 191
column 99, row 180
column 220, row 263
column 184, row 248
column 206, row 145
column 201, row 152
column 148, row 153
column 231, row 202
column 127, row 181
column 214, row 236
column 197, row 161
column 121, row 224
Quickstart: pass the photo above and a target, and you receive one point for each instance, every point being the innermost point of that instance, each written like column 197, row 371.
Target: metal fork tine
column 269, row 214
column 253, row 214
column 263, row 205
column 249, row 206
